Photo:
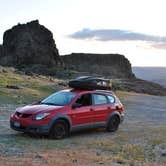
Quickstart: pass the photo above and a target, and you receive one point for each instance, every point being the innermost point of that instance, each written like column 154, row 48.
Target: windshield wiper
column 49, row 103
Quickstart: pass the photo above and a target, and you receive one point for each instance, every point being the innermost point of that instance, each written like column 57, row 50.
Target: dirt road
column 146, row 110
column 140, row 140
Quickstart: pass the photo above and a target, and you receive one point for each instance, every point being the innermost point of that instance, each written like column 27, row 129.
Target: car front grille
column 21, row 115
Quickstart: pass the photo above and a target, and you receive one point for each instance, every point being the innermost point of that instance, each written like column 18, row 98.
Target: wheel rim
column 114, row 123
column 59, row 131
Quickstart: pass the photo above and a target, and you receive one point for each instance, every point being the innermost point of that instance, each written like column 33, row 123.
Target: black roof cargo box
column 90, row 83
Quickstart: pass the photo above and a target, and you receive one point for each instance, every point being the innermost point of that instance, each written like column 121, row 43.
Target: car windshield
column 59, row 98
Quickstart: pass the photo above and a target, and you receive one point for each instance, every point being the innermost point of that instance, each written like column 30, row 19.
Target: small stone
column 120, row 162
column 131, row 164
column 98, row 154
column 12, row 87
column 74, row 161
column 163, row 154
column 101, row 162
column 38, row 156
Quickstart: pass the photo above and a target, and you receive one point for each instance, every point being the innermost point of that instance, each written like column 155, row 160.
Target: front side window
column 99, row 99
column 59, row 98
column 84, row 100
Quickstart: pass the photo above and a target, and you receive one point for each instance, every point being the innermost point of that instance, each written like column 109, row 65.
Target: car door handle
column 108, row 108
column 91, row 109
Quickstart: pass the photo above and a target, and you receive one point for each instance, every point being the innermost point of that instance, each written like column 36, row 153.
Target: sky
column 134, row 28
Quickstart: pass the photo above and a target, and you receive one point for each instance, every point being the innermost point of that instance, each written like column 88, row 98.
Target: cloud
column 161, row 45
column 119, row 35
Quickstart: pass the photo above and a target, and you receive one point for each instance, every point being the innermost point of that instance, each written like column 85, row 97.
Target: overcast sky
column 134, row 28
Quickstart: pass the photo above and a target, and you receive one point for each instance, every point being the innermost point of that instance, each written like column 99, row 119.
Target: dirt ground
column 140, row 140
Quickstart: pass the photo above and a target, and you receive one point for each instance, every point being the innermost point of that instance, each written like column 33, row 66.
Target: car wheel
column 59, row 130
column 113, row 124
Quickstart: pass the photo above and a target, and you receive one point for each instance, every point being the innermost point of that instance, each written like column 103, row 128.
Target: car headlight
column 41, row 116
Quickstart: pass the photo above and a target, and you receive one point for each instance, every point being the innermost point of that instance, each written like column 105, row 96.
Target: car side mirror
column 76, row 105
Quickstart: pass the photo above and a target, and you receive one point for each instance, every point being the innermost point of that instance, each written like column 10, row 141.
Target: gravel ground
column 146, row 110
column 140, row 140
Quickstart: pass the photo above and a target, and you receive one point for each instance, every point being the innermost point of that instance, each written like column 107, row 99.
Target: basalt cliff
column 109, row 65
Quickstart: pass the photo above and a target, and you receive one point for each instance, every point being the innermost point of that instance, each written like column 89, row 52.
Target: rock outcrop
column 29, row 44
column 110, row 65
column 139, row 86
column 1, row 51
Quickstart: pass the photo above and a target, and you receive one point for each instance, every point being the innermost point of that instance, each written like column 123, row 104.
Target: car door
column 101, row 107
column 83, row 114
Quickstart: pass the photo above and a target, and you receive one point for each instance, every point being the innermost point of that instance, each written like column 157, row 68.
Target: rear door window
column 99, row 99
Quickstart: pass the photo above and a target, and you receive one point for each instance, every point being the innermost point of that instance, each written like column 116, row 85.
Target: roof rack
column 90, row 83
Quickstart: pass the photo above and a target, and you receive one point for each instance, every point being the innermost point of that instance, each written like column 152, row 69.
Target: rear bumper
column 35, row 129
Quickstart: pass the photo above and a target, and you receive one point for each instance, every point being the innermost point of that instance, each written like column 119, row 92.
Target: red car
column 69, row 110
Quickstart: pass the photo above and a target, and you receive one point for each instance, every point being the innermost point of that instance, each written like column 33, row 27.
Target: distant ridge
column 154, row 74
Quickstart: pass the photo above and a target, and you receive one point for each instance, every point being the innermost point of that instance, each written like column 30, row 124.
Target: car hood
column 39, row 108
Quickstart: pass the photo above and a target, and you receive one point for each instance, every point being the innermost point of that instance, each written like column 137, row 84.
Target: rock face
column 1, row 51
column 110, row 65
column 29, row 44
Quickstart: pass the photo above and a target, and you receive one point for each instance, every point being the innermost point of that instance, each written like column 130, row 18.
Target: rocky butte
column 26, row 45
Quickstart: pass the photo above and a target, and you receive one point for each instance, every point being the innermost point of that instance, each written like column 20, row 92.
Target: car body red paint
column 90, row 108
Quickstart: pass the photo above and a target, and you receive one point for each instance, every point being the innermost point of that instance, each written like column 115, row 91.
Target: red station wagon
column 69, row 110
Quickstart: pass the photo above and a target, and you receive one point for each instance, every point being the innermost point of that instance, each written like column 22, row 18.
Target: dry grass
column 31, row 88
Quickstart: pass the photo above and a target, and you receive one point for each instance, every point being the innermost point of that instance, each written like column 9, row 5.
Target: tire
column 59, row 130
column 113, row 124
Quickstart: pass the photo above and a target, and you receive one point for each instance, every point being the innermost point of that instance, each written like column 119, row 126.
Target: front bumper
column 35, row 129
column 122, row 117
